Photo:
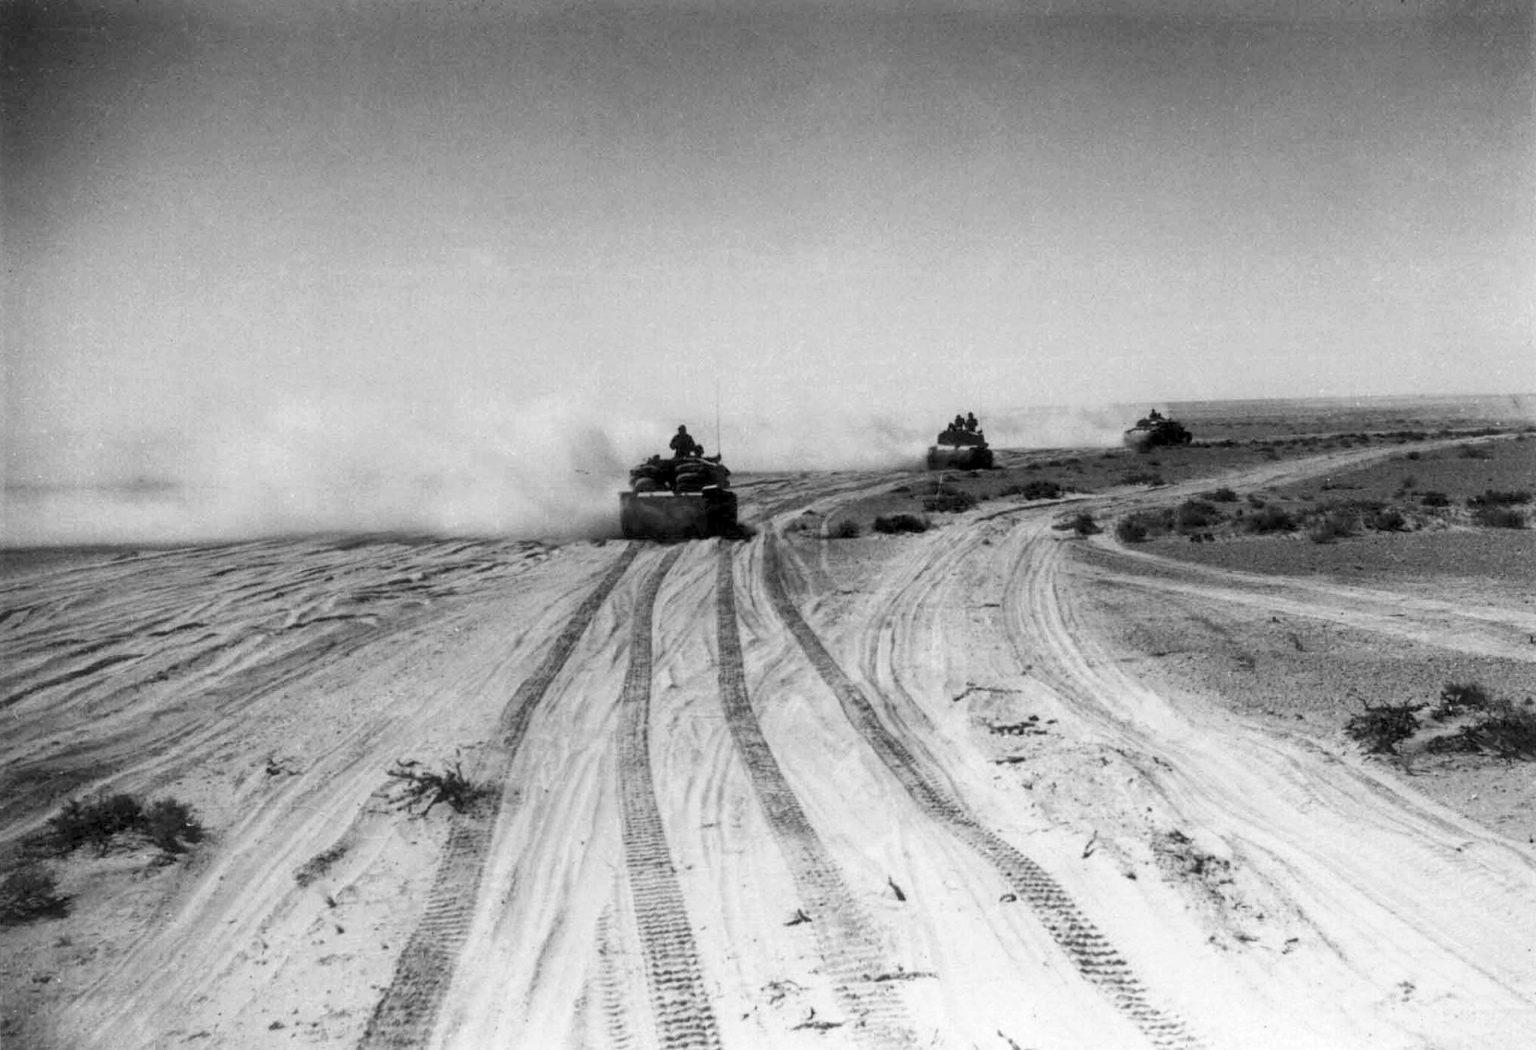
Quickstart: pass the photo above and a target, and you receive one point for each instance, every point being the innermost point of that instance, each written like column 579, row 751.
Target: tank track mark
column 679, row 1000
column 1089, row 950
column 405, row 1014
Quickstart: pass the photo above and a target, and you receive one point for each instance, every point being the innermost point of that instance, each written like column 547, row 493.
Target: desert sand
column 991, row 785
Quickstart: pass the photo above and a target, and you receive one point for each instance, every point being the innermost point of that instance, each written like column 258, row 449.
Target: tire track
column 679, row 1000
column 846, row 941
column 407, row 1011
column 1089, row 950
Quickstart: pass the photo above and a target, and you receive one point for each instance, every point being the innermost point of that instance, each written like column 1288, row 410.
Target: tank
column 678, row 499
column 959, row 450
column 1156, row 430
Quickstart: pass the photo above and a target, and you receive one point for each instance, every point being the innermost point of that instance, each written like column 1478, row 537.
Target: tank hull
column 1165, row 433
column 672, row 516
column 972, row 457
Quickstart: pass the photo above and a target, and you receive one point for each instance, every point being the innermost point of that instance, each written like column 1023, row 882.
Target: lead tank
column 957, row 448
column 685, row 498
column 1155, row 430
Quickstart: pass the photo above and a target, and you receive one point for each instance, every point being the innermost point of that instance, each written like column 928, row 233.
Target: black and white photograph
column 768, row 524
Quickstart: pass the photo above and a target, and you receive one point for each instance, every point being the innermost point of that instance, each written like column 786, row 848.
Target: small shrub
column 319, row 864
column 1495, row 498
column 1131, row 530
column 450, row 787
column 1221, row 495
column 1196, row 514
column 896, row 523
column 1386, row 519
column 1382, row 728
column 846, row 529
column 1499, row 517
column 1501, row 729
column 1081, row 523
column 96, row 822
column 1458, row 698
column 1414, row 454
column 1042, row 488
column 1334, row 525
column 1471, row 452
column 1269, row 519
column 1142, row 477
column 949, row 502
column 171, row 825
column 1434, row 499
column 30, row 892
column 1256, row 500
column 1507, row 731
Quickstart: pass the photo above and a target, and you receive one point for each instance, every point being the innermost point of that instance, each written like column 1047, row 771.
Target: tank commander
column 683, row 444
column 970, row 422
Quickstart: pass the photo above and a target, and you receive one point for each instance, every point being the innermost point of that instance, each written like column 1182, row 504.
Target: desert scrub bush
column 1256, row 501
column 1221, row 495
column 1457, row 698
column 319, row 864
column 450, row 787
column 1434, row 499
column 1080, row 524
column 1506, row 731
column 1143, row 524
column 1269, row 519
column 1385, row 519
column 1499, row 728
column 1499, row 517
column 949, row 502
column 97, row 822
column 1382, row 728
column 895, row 523
column 1332, row 525
column 1042, row 488
column 30, row 892
column 171, row 825
column 1130, row 529
column 1495, row 498
column 846, row 529
column 1196, row 514
column 1142, row 477
column 1471, row 452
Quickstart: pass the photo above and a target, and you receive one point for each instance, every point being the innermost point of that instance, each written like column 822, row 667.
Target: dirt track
column 787, row 793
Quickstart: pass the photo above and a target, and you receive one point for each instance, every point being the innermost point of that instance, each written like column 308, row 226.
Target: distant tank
column 685, row 498
column 960, row 448
column 1154, row 430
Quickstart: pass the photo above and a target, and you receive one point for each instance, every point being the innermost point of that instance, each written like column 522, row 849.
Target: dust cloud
column 467, row 466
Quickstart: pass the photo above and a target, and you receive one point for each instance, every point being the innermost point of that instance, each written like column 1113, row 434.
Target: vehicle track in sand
column 1318, row 831
column 848, row 945
column 407, row 1011
column 679, row 1001
column 1089, row 950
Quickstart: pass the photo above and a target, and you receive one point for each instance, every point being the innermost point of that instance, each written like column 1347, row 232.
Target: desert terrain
column 1070, row 767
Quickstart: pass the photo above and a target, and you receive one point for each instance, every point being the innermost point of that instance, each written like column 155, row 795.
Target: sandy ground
column 992, row 785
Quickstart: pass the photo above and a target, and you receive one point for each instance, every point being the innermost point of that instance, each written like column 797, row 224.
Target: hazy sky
column 347, row 218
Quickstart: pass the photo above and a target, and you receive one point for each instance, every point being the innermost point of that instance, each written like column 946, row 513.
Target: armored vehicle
column 684, row 498
column 958, row 448
column 1155, row 430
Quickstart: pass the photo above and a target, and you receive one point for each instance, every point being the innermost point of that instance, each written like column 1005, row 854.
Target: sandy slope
column 787, row 793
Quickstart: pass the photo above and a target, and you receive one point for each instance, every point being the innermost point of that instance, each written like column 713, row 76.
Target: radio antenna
column 718, row 450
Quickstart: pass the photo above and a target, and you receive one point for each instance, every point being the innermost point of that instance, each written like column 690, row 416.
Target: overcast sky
column 222, row 216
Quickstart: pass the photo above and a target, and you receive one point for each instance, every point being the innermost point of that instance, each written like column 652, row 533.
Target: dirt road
column 890, row 792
